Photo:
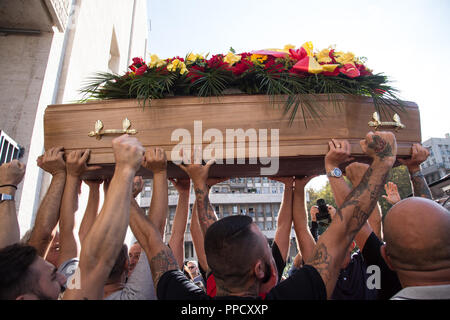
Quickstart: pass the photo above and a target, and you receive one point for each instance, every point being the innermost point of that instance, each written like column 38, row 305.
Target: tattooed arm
column 199, row 176
column 149, row 230
column 419, row 185
column 356, row 208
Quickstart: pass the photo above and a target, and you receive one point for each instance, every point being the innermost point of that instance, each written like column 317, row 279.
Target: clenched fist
column 381, row 146
column 128, row 152
column 155, row 160
column 12, row 172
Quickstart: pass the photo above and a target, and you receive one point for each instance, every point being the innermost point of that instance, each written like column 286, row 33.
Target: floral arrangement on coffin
column 297, row 73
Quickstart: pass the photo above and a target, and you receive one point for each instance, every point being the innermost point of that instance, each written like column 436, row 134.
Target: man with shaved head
column 417, row 236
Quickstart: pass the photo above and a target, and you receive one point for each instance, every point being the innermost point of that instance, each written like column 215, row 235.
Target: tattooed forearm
column 420, row 187
column 362, row 200
column 321, row 260
column 381, row 147
column 162, row 262
column 206, row 214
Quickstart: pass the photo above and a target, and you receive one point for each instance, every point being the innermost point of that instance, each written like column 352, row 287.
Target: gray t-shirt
column 68, row 268
column 140, row 284
column 424, row 293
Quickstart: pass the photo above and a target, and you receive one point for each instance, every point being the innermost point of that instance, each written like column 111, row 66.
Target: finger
column 210, row 163
column 332, row 144
column 92, row 168
column 85, row 155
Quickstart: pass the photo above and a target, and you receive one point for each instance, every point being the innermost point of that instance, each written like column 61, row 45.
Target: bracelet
column 9, row 185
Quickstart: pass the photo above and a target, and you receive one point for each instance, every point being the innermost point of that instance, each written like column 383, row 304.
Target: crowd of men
column 408, row 250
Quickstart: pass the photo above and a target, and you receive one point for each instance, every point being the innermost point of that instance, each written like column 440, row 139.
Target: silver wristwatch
column 336, row 173
column 4, row 196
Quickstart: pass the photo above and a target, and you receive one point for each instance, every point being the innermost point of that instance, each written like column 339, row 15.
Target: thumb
column 210, row 163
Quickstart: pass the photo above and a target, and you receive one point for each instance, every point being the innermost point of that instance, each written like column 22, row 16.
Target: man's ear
column 259, row 270
column 386, row 257
column 27, row 296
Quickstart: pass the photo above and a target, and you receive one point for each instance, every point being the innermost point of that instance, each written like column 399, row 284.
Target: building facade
column 258, row 198
column 438, row 163
column 48, row 49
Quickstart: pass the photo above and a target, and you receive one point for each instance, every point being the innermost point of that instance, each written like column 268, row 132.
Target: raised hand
column 76, row 162
column 138, row 185
column 381, row 146
column 392, row 195
column 52, row 161
column 155, row 160
column 128, row 152
column 194, row 168
column 12, row 173
column 301, row 182
column 419, row 154
column 338, row 154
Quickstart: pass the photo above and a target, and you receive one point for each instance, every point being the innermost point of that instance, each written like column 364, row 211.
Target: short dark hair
column 16, row 277
column 119, row 267
column 232, row 250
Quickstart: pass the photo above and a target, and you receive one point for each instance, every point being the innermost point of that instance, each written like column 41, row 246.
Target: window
column 260, row 225
column 251, row 212
column 216, row 208
column 265, row 190
column 234, row 209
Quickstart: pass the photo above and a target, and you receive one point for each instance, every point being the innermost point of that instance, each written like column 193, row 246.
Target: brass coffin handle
column 98, row 132
column 377, row 123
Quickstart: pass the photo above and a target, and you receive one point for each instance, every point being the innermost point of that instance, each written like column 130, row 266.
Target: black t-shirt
column 351, row 283
column 306, row 284
column 389, row 282
column 281, row 264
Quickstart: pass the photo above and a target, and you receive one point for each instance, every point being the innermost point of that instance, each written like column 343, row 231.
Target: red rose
column 193, row 74
column 141, row 70
column 350, row 70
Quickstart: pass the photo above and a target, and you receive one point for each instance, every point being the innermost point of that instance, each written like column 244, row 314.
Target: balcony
column 32, row 16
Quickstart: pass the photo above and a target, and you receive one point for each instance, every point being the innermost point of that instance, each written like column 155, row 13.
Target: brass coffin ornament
column 98, row 133
column 377, row 123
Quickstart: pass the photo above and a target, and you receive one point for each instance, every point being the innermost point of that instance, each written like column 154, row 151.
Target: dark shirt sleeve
column 314, row 230
column 173, row 285
column 390, row 284
column 281, row 264
column 305, row 284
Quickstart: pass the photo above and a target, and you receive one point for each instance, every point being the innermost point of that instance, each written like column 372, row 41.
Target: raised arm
column 47, row 216
column 284, row 223
column 331, row 247
column 420, row 187
column 305, row 240
column 196, row 231
column 155, row 161
column 160, row 256
column 76, row 164
column 176, row 241
column 199, row 176
column 11, row 174
column 105, row 239
column 91, row 208
column 355, row 172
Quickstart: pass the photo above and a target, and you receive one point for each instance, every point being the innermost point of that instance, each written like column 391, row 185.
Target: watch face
column 337, row 172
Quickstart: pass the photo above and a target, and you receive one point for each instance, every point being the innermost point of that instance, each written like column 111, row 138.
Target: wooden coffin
column 301, row 148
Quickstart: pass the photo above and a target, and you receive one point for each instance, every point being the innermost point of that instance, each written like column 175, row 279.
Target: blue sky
column 408, row 40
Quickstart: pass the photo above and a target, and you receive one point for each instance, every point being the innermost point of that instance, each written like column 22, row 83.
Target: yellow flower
column 308, row 46
column 287, row 47
column 344, row 58
column 323, row 56
column 155, row 61
column 259, row 58
column 232, row 58
column 192, row 57
column 177, row 64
